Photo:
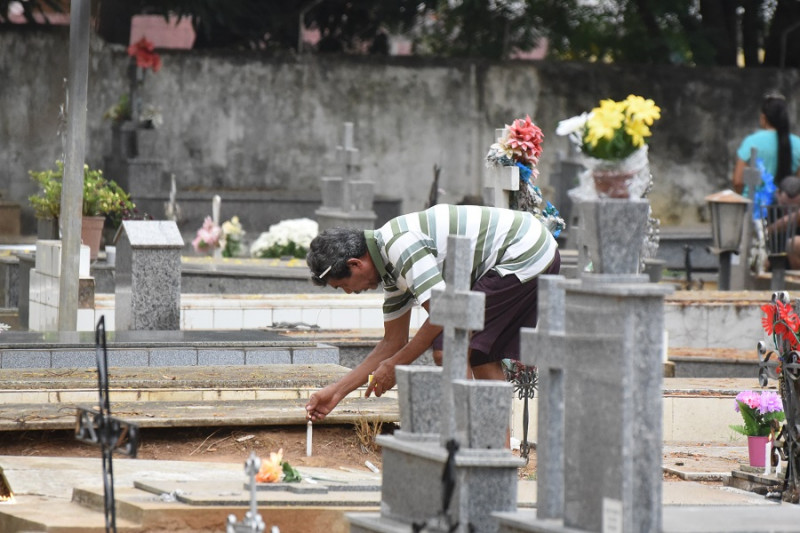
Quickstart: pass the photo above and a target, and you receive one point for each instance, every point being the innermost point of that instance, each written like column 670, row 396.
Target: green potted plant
column 103, row 201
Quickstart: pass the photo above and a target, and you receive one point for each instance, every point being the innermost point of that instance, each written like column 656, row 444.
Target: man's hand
column 383, row 379
column 321, row 403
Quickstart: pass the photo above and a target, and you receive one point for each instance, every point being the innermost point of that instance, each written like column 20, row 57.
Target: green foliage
column 686, row 32
column 121, row 111
column 291, row 249
column 100, row 196
column 290, row 473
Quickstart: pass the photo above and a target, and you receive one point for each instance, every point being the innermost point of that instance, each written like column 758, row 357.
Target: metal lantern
column 728, row 213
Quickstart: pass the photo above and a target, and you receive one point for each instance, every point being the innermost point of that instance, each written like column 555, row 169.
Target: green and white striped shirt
column 409, row 251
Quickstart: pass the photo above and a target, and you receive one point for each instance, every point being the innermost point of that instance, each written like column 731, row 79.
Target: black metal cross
column 98, row 427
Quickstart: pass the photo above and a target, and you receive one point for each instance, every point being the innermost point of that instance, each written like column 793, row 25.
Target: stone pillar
column 148, row 275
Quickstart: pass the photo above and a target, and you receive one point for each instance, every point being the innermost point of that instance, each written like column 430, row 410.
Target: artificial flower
column 271, row 470
column 231, row 241
column 144, row 53
column 286, row 238
column 520, row 145
column 524, row 141
column 614, row 129
column 759, row 411
column 208, row 236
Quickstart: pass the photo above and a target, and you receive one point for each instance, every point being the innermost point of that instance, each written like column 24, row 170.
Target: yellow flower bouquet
column 613, row 137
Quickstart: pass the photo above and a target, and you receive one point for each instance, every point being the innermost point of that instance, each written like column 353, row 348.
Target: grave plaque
column 148, row 275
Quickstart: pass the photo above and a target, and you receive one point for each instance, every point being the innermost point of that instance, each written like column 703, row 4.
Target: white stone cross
column 216, row 204
column 543, row 348
column 459, row 310
column 499, row 182
column 347, row 154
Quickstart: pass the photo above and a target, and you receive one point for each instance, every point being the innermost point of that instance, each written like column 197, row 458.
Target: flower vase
column 757, row 451
column 92, row 233
column 612, row 182
column 611, row 233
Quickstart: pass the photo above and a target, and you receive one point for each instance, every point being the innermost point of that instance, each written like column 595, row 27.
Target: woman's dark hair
column 329, row 251
column 773, row 107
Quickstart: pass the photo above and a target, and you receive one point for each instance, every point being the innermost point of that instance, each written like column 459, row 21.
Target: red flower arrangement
column 781, row 320
column 146, row 57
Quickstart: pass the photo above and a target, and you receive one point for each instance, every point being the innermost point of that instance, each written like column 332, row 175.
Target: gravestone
column 148, row 275
column 454, row 481
column 600, row 414
column 550, row 421
column 347, row 199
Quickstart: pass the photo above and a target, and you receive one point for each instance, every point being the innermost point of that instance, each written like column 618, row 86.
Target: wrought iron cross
column 98, row 427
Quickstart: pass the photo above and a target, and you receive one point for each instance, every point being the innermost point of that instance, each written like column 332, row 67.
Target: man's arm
column 394, row 338
column 383, row 377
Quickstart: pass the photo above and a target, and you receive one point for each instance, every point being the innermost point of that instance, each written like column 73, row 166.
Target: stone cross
column 499, row 182
column 458, row 310
column 172, row 210
column 346, row 199
column 537, row 349
column 216, row 204
column 348, row 155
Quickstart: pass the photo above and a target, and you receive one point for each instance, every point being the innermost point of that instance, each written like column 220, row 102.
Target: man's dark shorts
column 510, row 305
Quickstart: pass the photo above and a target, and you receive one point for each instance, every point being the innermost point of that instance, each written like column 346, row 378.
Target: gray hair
column 329, row 251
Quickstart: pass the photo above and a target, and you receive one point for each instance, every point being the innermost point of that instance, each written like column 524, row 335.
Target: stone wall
column 241, row 122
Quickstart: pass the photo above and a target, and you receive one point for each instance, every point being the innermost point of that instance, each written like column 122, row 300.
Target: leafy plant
column 101, row 197
column 121, row 111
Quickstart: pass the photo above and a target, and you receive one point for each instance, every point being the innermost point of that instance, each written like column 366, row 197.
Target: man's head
column 338, row 257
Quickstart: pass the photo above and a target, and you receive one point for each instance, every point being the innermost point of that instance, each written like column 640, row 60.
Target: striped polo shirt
column 409, row 251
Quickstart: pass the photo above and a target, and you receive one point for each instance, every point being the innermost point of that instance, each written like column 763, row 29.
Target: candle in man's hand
column 308, row 439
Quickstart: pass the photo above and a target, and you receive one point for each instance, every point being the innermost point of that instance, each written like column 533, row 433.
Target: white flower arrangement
column 288, row 237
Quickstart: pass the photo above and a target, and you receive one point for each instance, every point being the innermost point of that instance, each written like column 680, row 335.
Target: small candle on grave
column 768, row 456
column 308, row 439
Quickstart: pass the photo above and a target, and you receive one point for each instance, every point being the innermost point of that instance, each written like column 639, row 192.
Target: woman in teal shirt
column 778, row 150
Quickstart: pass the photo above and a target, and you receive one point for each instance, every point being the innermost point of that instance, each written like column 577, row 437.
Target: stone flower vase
column 612, row 231
column 612, row 182
column 92, row 234
column 757, row 451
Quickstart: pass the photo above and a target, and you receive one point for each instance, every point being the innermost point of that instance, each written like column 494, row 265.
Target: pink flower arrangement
column 520, row 145
column 208, row 237
column 524, row 141
column 144, row 52
column 759, row 410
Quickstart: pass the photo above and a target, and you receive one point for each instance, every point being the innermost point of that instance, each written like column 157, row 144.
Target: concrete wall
column 244, row 122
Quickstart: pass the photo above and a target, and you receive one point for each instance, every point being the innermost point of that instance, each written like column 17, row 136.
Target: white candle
column 768, row 461
column 308, row 439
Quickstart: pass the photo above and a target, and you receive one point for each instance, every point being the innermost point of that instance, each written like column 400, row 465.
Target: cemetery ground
column 334, row 446
column 339, row 446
